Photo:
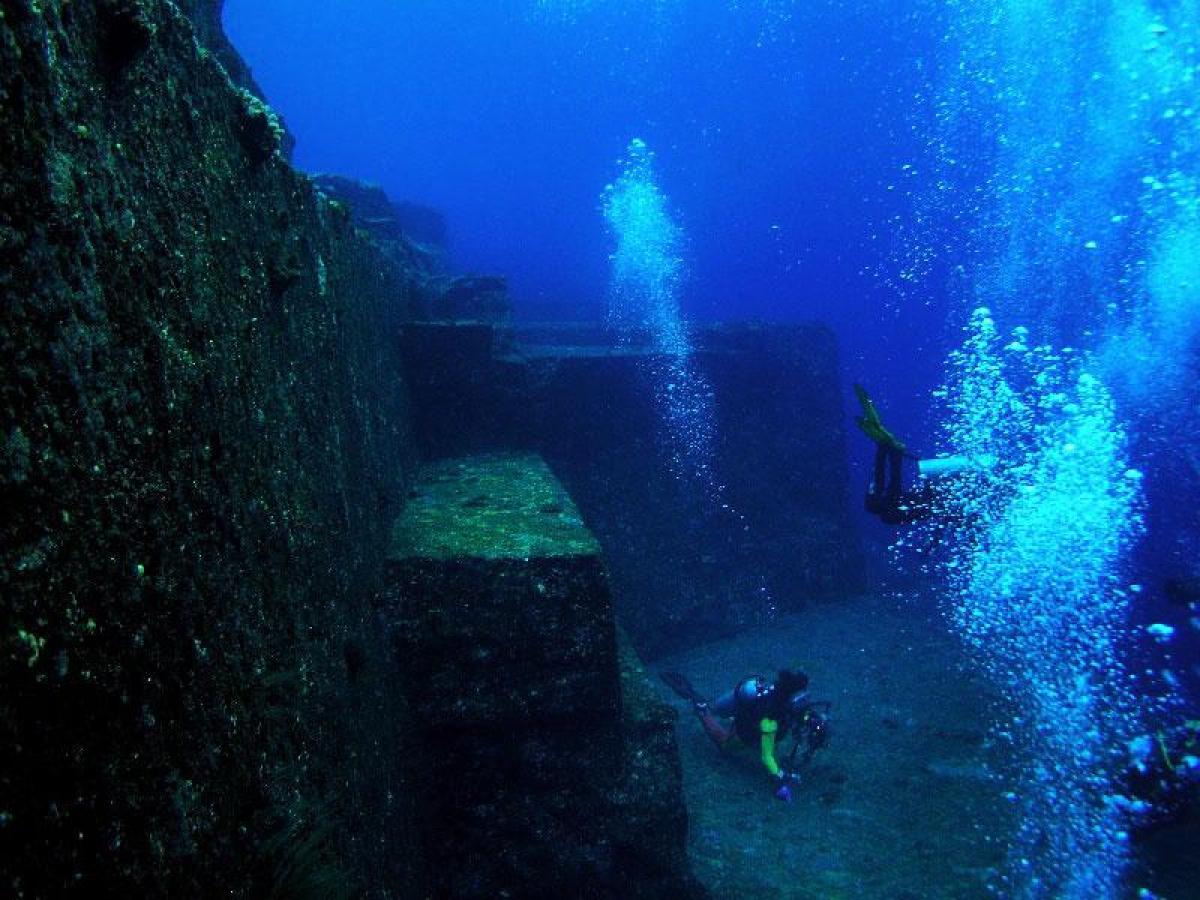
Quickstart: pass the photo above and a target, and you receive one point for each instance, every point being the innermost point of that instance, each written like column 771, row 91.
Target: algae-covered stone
column 541, row 781
column 203, row 445
column 492, row 507
column 500, row 597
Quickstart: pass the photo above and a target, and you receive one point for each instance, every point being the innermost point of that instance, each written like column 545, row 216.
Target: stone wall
column 684, row 569
column 204, row 438
column 549, row 767
column 203, row 435
column 205, row 16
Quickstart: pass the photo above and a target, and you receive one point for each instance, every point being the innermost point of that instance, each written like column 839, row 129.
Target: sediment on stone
column 203, row 440
column 550, row 771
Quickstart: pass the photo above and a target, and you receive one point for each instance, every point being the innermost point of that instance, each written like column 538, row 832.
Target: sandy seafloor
column 906, row 801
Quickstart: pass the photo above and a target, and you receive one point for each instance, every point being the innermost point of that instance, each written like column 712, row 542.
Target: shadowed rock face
column 550, row 770
column 203, row 440
column 205, row 16
column 415, row 236
column 412, row 236
column 384, row 218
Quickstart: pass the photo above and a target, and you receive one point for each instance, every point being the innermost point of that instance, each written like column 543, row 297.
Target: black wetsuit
column 748, row 704
column 886, row 496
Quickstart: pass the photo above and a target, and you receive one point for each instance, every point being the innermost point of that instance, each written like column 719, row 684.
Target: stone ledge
column 500, row 611
column 499, row 601
column 490, row 507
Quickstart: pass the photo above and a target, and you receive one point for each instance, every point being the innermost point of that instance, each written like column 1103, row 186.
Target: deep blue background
column 780, row 140
column 792, row 141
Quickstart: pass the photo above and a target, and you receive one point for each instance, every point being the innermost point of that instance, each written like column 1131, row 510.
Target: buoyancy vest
column 755, row 700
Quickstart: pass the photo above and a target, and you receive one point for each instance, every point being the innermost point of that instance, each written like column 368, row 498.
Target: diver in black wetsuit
column 763, row 713
column 887, row 497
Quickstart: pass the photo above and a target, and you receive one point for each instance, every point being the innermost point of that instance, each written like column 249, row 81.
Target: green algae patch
column 507, row 506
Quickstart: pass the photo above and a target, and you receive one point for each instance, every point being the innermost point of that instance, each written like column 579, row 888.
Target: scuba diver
column 763, row 713
column 887, row 496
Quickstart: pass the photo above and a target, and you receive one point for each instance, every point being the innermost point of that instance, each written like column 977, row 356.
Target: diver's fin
column 871, row 424
column 680, row 685
column 870, row 414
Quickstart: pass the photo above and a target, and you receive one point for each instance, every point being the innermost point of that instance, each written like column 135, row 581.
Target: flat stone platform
column 490, row 507
column 501, row 599
column 550, row 764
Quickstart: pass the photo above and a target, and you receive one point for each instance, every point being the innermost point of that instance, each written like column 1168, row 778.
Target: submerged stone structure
column 550, row 769
column 685, row 564
column 207, row 433
column 205, row 437
column 203, row 440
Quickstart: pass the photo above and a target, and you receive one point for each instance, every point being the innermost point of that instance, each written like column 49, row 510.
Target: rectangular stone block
column 537, row 780
column 499, row 599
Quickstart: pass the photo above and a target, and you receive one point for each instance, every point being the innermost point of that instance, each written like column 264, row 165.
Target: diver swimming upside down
column 887, row 496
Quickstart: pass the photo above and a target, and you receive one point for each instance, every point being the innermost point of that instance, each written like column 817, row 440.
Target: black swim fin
column 680, row 685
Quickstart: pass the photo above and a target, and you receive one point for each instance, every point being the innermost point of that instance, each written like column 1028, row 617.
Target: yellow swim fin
column 871, row 424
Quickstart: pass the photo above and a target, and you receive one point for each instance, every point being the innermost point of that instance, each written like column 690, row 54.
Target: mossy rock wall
column 550, row 768
column 203, row 440
column 205, row 16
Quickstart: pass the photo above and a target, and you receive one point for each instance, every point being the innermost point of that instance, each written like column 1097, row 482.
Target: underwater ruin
column 599, row 448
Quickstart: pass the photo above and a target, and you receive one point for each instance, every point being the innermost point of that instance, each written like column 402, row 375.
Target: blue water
column 995, row 204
